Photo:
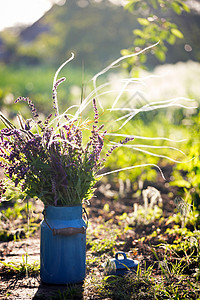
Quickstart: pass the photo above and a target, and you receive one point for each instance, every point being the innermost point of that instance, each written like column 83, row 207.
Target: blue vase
column 63, row 245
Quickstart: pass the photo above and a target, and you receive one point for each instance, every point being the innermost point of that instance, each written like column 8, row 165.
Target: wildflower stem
column 133, row 167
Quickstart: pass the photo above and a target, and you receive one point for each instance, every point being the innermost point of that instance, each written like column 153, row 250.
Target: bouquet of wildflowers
column 53, row 161
column 49, row 159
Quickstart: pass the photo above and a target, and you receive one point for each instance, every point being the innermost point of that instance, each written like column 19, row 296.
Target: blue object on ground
column 120, row 266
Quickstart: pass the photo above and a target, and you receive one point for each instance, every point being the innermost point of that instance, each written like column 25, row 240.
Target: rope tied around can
column 68, row 230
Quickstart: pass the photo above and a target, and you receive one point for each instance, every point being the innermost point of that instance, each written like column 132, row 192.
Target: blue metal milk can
column 63, row 245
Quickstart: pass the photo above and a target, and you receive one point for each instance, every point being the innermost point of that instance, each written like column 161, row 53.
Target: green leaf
column 131, row 5
column 138, row 32
column 125, row 52
column 143, row 58
column 143, row 22
column 154, row 4
column 176, row 7
column 184, row 6
column 177, row 33
column 171, row 39
column 182, row 183
column 160, row 55
column 139, row 42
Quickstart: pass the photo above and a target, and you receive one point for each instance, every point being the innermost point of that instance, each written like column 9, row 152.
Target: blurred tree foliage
column 97, row 31
column 155, row 25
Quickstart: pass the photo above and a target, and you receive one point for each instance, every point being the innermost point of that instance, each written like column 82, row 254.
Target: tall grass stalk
column 132, row 112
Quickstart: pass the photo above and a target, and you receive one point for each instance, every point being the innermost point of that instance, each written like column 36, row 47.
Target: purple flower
column 32, row 108
column 53, row 164
column 2, row 189
column 96, row 115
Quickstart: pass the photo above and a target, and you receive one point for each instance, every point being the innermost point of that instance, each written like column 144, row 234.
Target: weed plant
column 21, row 269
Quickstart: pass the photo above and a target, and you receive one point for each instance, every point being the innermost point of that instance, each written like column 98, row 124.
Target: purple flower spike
column 96, row 116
